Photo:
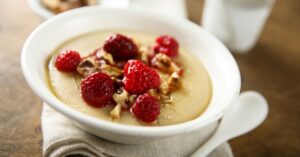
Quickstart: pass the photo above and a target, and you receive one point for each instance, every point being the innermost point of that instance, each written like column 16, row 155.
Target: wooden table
column 272, row 68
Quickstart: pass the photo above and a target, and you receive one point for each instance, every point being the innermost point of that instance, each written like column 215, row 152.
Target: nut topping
column 144, row 53
column 145, row 75
column 116, row 112
column 162, row 62
column 164, row 88
column 86, row 67
column 174, row 81
column 121, row 97
column 153, row 92
column 111, row 71
column 166, row 99
column 174, row 68
column 101, row 54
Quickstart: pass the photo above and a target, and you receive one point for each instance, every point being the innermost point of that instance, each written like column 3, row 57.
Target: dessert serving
column 210, row 78
column 130, row 78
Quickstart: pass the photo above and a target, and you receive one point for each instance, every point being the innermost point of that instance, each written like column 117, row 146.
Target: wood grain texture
column 272, row 68
column 20, row 133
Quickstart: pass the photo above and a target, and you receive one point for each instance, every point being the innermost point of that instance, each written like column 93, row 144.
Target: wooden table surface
column 272, row 68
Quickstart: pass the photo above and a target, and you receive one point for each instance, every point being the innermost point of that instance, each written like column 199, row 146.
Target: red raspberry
column 97, row 89
column 67, row 61
column 139, row 78
column 146, row 108
column 121, row 47
column 167, row 45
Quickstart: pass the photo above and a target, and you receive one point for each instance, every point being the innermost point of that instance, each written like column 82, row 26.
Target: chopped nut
column 164, row 88
column 163, row 76
column 121, row 97
column 101, row 54
column 174, row 68
column 87, row 63
column 144, row 53
column 166, row 99
column 86, row 67
column 174, row 81
column 111, row 71
column 154, row 93
column 162, row 62
column 116, row 112
column 100, row 62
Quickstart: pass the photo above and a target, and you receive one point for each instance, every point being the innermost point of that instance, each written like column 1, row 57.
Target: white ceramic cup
column 215, row 57
column 237, row 23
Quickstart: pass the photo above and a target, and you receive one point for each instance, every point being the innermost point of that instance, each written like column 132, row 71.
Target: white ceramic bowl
column 218, row 61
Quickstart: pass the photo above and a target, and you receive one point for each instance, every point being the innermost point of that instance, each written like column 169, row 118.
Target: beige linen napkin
column 62, row 138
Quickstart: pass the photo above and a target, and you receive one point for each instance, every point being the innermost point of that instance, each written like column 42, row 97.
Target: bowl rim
column 156, row 131
column 40, row 9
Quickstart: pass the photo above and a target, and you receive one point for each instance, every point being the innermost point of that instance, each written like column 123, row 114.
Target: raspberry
column 139, row 78
column 67, row 61
column 167, row 45
column 121, row 47
column 97, row 89
column 146, row 108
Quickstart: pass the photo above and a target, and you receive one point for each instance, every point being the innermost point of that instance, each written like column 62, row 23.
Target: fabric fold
column 63, row 138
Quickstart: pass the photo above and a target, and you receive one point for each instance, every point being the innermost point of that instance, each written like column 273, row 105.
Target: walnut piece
column 164, row 88
column 110, row 70
column 116, row 112
column 174, row 68
column 144, row 53
column 86, row 67
column 174, row 81
column 121, row 97
column 101, row 54
column 153, row 92
column 164, row 63
column 166, row 99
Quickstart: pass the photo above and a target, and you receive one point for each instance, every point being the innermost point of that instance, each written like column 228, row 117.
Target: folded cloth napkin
column 62, row 138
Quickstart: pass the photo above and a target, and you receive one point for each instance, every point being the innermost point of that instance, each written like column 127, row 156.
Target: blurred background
column 271, row 67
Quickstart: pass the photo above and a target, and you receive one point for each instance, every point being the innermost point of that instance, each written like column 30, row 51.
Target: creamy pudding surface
column 189, row 102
